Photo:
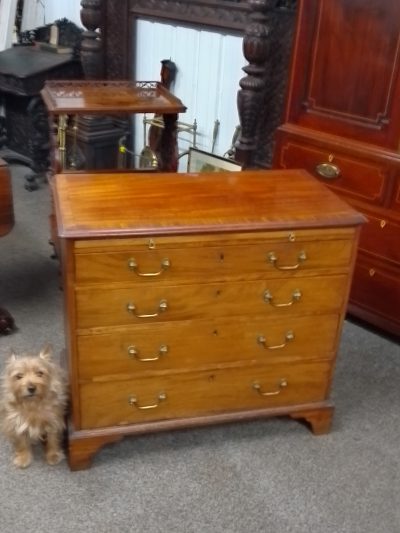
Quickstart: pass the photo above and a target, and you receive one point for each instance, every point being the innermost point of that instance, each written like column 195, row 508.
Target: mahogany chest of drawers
column 342, row 124
column 193, row 299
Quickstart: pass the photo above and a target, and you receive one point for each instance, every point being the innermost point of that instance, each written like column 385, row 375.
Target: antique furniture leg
column 82, row 450
column 320, row 419
column 168, row 154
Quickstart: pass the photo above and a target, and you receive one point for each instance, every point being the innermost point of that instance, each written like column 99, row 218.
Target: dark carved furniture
column 267, row 26
column 23, row 71
column 342, row 123
column 193, row 301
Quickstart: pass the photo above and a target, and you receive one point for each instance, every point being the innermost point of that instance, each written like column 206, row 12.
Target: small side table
column 23, row 72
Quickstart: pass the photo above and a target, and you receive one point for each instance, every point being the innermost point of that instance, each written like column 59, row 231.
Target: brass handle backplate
column 134, row 402
column 289, row 336
column 272, row 258
column 328, row 171
column 165, row 265
column 163, row 306
column 269, row 299
column 134, row 353
column 281, row 385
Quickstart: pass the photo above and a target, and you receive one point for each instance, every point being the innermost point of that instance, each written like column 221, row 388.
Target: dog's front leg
column 23, row 452
column 54, row 453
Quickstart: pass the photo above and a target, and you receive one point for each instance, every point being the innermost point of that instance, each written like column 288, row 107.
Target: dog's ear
column 46, row 352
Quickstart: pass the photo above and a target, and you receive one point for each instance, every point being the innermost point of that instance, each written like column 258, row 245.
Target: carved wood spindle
column 250, row 94
column 92, row 46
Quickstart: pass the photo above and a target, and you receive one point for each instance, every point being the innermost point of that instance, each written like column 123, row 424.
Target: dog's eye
column 39, row 374
column 19, row 376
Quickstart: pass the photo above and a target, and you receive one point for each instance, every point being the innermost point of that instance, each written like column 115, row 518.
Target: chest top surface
column 121, row 204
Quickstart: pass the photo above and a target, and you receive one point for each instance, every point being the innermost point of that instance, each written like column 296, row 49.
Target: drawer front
column 284, row 297
column 202, row 393
column 376, row 289
column 362, row 179
column 212, row 263
column 381, row 237
column 161, row 347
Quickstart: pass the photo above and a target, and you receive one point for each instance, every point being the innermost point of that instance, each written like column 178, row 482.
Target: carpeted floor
column 267, row 476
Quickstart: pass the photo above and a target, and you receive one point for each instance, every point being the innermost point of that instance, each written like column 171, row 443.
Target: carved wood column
column 250, row 94
column 92, row 47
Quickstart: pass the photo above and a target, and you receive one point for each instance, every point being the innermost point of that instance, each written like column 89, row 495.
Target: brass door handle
column 281, row 385
column 163, row 306
column 269, row 299
column 134, row 353
column 133, row 401
column 272, row 258
column 132, row 265
column 289, row 336
column 328, row 171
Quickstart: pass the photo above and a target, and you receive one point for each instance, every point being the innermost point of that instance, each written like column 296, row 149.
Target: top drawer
column 361, row 178
column 227, row 259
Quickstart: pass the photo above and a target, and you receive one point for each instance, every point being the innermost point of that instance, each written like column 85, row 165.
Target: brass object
column 292, row 237
column 151, row 244
column 61, row 137
column 272, row 258
column 268, row 298
column 133, row 401
column 165, row 264
column 281, row 385
column 328, row 170
column 163, row 306
column 383, row 223
column 134, row 353
column 289, row 336
column 372, row 272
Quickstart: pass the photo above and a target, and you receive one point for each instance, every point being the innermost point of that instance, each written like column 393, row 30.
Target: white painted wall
column 41, row 12
column 209, row 69
column 7, row 18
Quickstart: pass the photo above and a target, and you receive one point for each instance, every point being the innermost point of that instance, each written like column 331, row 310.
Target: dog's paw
column 54, row 457
column 22, row 459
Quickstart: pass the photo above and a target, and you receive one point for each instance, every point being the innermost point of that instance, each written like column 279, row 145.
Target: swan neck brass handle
column 328, row 171
column 289, row 336
column 269, row 299
column 134, row 402
column 273, row 259
column 281, row 385
column 134, row 353
column 162, row 306
column 165, row 265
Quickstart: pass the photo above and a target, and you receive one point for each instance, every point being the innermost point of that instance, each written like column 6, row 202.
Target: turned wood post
column 250, row 94
column 92, row 47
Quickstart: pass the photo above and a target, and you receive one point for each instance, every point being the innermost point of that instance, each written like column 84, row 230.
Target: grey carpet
column 267, row 476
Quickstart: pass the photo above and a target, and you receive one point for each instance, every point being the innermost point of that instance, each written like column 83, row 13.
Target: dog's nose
column 31, row 389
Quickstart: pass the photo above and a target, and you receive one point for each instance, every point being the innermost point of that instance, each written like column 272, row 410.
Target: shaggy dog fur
column 33, row 405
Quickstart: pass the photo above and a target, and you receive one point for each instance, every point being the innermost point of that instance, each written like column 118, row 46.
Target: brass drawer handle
column 289, row 336
column 163, row 306
column 269, row 299
column 272, row 258
column 133, row 401
column 328, row 171
column 165, row 264
column 134, row 353
column 281, row 385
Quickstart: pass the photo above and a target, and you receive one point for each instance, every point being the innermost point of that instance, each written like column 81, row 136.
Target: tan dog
column 33, row 405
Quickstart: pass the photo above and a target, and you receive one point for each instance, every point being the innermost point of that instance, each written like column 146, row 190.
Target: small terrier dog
column 33, row 405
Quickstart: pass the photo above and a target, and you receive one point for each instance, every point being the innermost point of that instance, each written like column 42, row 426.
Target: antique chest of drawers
column 193, row 299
